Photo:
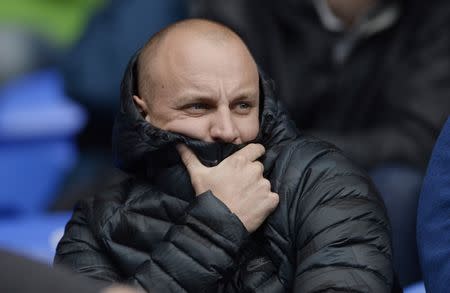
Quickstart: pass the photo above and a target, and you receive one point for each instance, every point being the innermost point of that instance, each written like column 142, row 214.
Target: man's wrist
column 217, row 217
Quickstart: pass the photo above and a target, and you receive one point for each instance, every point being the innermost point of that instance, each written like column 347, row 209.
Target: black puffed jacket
column 329, row 232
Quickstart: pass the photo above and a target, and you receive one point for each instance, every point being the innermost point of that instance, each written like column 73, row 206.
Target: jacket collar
column 142, row 149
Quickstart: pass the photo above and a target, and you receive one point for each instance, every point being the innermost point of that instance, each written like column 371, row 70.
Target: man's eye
column 199, row 106
column 243, row 107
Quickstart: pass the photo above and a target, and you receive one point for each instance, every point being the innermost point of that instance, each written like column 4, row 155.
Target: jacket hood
column 141, row 148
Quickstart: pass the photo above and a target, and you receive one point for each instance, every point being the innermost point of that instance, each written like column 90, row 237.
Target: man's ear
column 141, row 105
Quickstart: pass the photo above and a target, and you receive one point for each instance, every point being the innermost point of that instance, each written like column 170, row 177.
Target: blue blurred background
column 52, row 151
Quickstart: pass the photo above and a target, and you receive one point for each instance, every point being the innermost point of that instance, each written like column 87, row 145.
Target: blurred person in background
column 93, row 68
column 224, row 194
column 371, row 76
column 92, row 71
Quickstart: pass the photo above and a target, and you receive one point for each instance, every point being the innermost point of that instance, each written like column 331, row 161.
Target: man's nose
column 223, row 127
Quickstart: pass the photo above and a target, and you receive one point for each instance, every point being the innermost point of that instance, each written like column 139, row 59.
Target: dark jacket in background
column 23, row 275
column 329, row 232
column 380, row 92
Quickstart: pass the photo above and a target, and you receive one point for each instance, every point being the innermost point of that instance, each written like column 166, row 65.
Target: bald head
column 172, row 42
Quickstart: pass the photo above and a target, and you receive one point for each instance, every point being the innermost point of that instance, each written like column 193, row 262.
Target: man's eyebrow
column 191, row 99
column 247, row 94
column 194, row 97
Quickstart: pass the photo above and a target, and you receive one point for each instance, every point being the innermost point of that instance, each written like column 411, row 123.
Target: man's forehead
column 187, row 41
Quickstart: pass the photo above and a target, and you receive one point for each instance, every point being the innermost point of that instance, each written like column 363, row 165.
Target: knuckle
column 256, row 147
column 257, row 168
column 262, row 148
column 275, row 199
column 239, row 159
column 266, row 184
column 261, row 167
column 188, row 160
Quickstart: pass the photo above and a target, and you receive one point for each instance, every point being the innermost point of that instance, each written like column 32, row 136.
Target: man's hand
column 237, row 181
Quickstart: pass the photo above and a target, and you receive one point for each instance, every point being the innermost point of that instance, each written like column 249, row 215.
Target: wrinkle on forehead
column 173, row 38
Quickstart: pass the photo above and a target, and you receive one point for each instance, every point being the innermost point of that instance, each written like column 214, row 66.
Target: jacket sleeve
column 195, row 255
column 341, row 229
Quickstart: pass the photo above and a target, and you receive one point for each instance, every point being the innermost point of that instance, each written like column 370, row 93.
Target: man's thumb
column 188, row 157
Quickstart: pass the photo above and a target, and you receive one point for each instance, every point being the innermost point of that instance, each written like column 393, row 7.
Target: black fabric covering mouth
column 210, row 154
column 141, row 148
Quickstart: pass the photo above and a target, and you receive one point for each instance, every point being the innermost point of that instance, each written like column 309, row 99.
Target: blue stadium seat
column 35, row 236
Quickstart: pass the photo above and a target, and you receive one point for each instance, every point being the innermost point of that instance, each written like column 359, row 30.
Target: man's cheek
column 249, row 130
column 192, row 127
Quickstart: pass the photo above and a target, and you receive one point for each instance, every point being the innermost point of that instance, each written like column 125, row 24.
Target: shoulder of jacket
column 311, row 160
column 98, row 209
column 305, row 150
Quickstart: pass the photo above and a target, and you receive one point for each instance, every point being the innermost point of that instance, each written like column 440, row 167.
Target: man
column 249, row 205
